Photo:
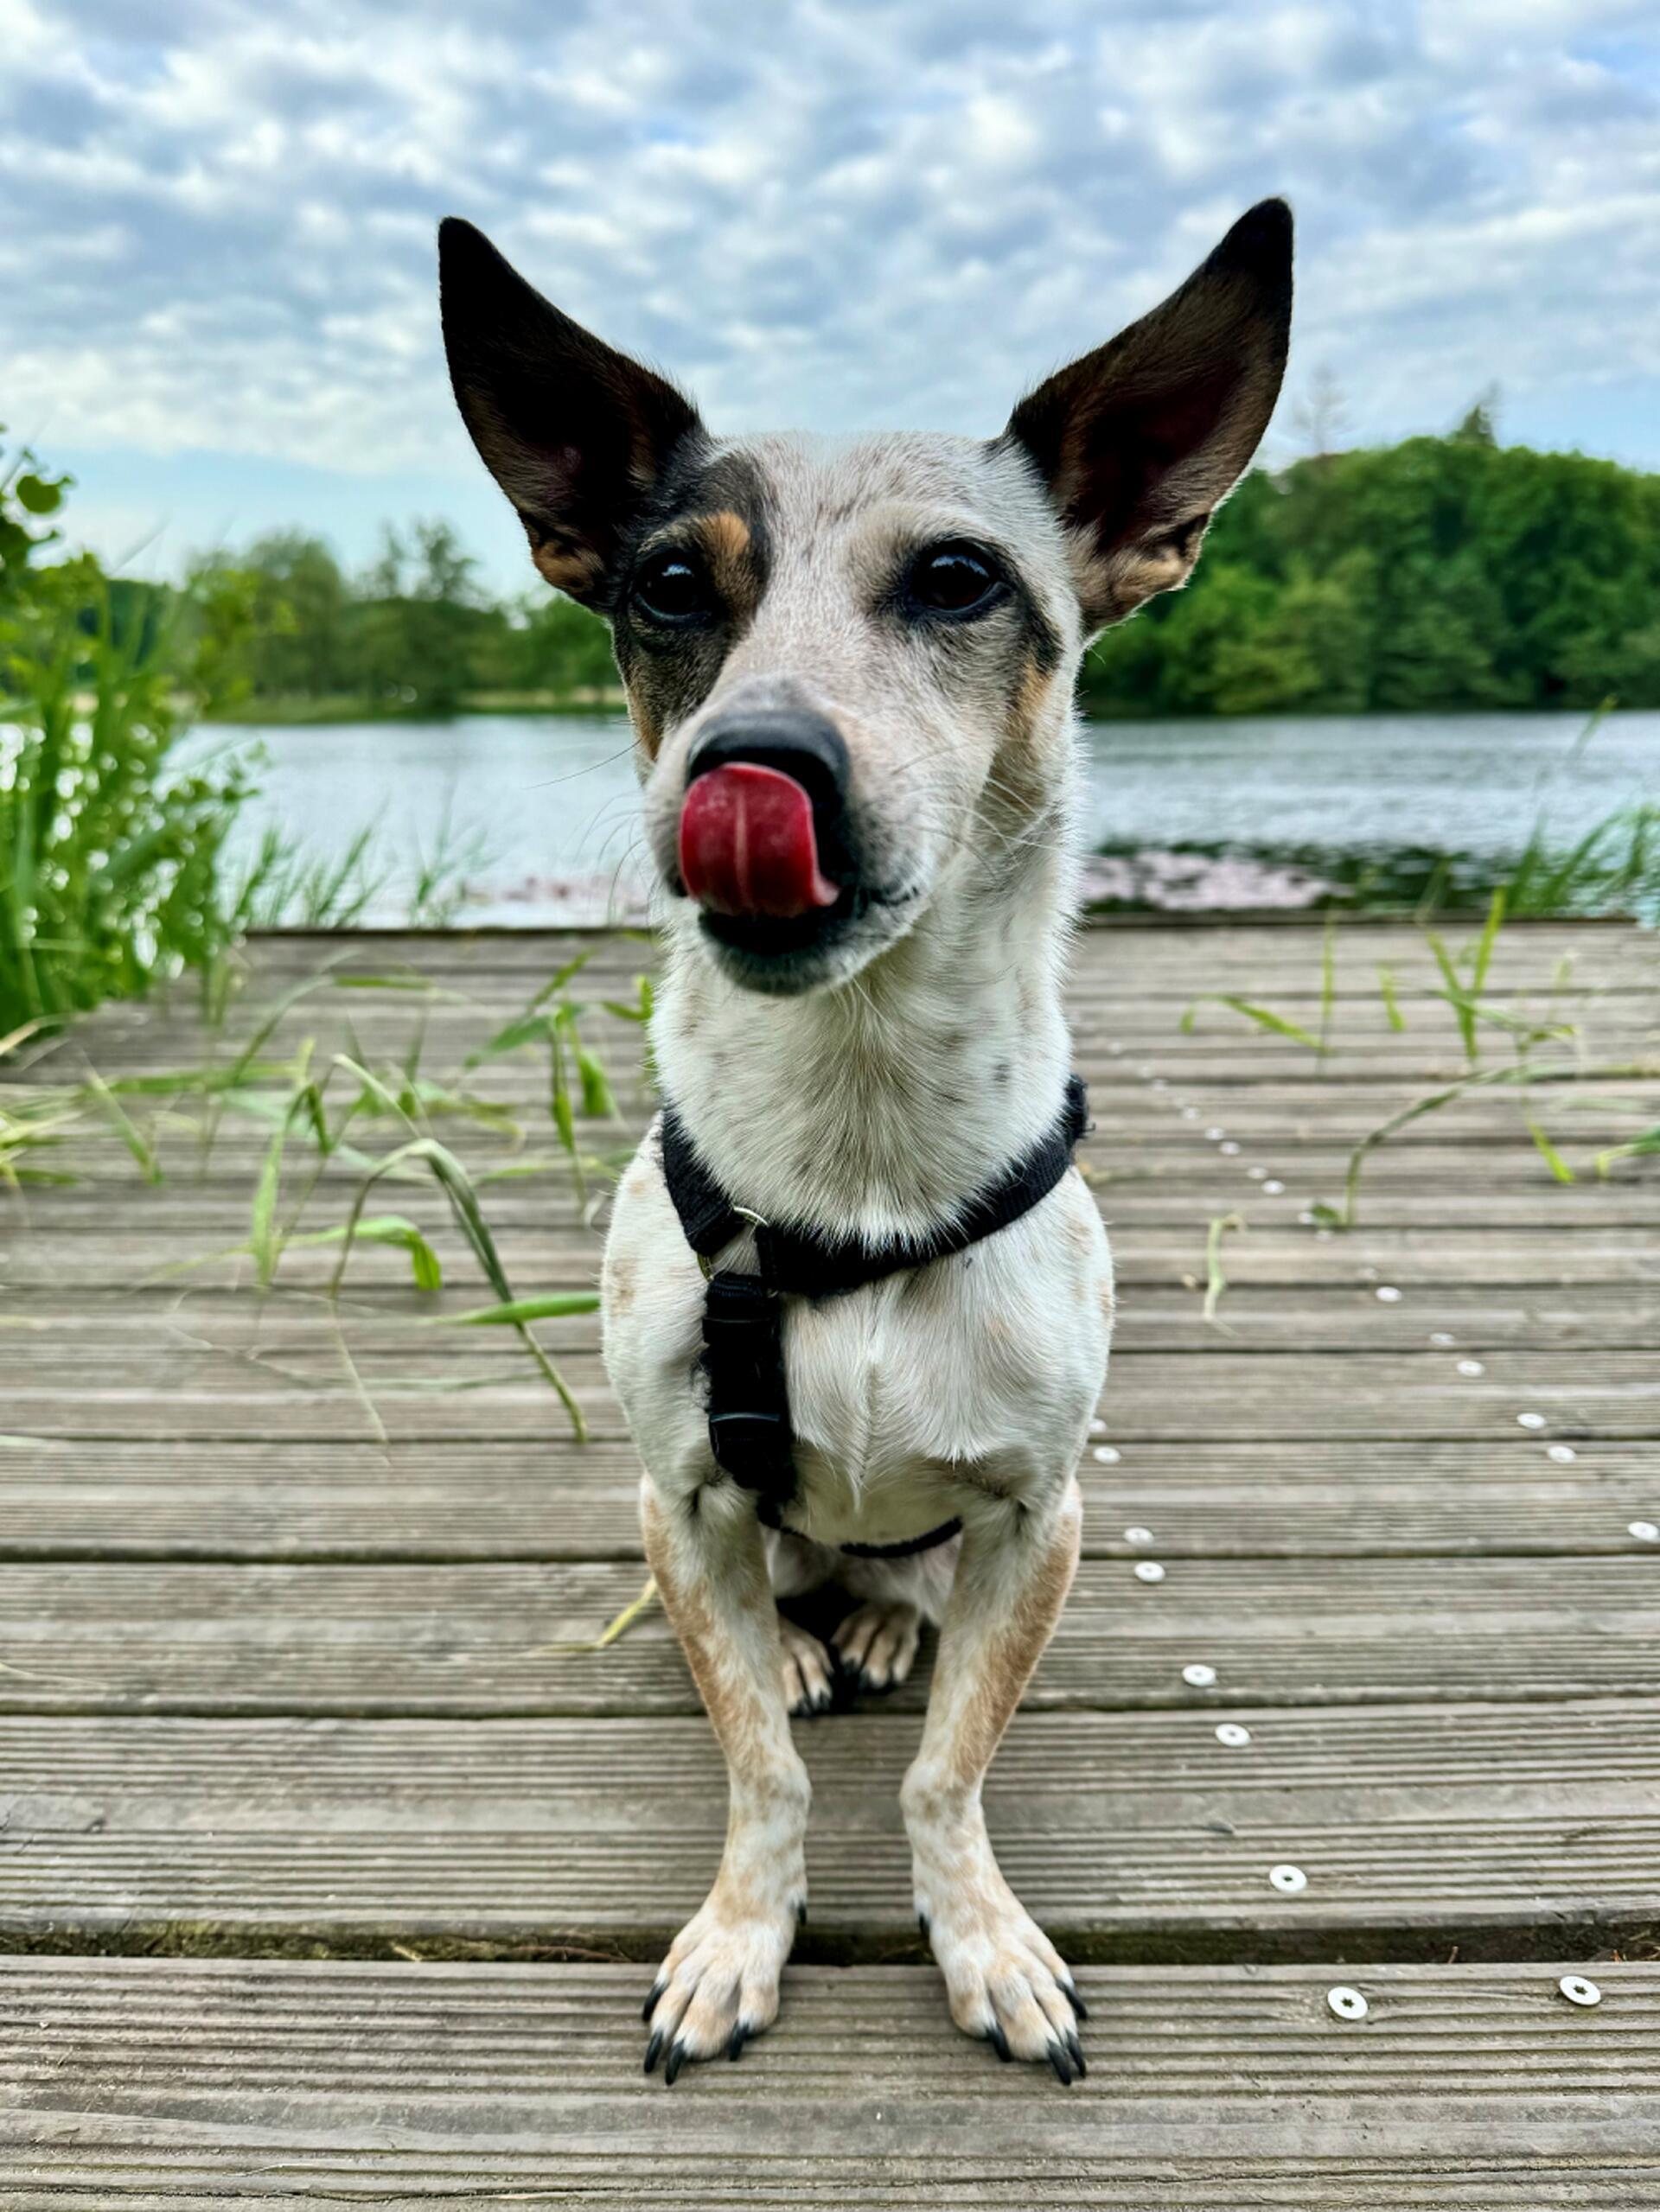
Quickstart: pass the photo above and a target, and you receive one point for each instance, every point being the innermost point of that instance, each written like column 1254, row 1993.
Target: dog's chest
column 977, row 1374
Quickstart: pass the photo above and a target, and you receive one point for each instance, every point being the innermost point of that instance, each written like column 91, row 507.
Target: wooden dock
column 335, row 1858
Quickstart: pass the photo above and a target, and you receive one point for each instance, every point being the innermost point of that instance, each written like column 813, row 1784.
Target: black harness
column 742, row 1314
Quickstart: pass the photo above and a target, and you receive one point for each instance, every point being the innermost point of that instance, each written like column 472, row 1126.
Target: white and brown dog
column 851, row 669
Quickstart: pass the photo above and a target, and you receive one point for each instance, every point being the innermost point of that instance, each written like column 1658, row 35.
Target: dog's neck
column 879, row 1108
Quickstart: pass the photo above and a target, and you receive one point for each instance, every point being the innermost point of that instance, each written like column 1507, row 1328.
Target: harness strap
column 742, row 1316
column 801, row 1264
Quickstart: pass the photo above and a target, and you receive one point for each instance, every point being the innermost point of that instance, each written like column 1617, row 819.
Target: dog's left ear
column 575, row 432
column 1141, row 441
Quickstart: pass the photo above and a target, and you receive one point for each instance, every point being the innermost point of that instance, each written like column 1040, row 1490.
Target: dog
column 850, row 668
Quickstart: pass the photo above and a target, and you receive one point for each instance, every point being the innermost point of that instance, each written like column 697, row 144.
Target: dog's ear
column 1141, row 441
column 575, row 433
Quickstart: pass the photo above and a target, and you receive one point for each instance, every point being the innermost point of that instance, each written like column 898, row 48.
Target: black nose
column 800, row 743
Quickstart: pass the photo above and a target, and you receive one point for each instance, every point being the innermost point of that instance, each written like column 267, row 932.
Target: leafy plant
column 111, row 853
column 578, row 1085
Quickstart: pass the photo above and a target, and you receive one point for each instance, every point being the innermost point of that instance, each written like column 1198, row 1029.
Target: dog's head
column 851, row 664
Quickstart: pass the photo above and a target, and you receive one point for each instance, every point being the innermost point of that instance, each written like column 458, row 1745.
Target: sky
column 217, row 286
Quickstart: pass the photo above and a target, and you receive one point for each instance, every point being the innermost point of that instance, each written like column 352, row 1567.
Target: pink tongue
column 747, row 845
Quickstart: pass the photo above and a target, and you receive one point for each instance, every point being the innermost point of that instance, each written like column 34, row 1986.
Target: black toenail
column 999, row 2041
column 741, row 2035
column 676, row 2060
column 1058, row 2060
column 650, row 2004
column 1074, row 2051
column 1075, row 2001
column 653, row 2049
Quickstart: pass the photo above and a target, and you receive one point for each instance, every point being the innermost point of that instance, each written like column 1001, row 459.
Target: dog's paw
column 877, row 1643
column 809, row 1671
column 1005, row 1980
column 719, row 1985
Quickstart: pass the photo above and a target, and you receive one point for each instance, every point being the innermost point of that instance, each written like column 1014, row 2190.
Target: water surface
column 551, row 806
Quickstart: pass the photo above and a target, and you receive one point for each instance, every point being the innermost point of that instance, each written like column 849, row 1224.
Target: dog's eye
column 953, row 579
column 673, row 587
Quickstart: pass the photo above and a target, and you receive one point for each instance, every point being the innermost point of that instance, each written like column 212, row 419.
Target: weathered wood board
column 305, row 1751
column 145, row 2083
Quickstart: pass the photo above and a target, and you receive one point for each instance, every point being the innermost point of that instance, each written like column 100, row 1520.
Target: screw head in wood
column 1290, row 1881
column 1198, row 1676
column 1148, row 1570
column 1348, row 2003
column 1579, row 1991
column 1646, row 1532
column 1233, row 1733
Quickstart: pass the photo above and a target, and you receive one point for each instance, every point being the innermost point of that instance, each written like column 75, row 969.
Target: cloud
column 897, row 210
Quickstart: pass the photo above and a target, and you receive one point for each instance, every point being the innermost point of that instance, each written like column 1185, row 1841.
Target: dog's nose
column 794, row 741
column 763, row 826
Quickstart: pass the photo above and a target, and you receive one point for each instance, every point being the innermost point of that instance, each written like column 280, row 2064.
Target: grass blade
column 626, row 1619
column 1484, row 946
column 128, row 1131
column 1215, row 1281
column 554, row 1305
column 1264, row 1016
column 1548, row 1152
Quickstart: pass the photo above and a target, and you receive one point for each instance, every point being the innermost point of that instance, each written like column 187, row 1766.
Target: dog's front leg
column 1005, row 1980
column 719, row 1983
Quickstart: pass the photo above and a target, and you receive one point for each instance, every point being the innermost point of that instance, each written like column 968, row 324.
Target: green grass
column 111, row 861
column 1541, row 1069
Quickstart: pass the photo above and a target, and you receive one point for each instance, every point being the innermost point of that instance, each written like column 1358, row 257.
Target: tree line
column 1441, row 573
column 413, row 632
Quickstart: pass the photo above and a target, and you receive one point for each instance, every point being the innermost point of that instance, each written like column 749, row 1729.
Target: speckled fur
column 872, row 1085
column 934, row 1052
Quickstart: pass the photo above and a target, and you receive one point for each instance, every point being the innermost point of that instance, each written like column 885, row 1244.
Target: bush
column 112, row 858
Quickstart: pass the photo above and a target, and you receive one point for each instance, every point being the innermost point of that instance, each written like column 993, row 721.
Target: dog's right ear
column 1141, row 441
column 575, row 433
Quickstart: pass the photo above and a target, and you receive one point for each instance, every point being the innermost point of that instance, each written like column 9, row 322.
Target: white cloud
column 219, row 233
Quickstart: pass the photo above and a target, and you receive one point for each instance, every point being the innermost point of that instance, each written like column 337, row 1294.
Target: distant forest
column 1440, row 573
column 1444, row 573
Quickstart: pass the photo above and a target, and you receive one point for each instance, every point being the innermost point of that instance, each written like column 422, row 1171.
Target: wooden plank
column 1509, row 1831
column 1133, row 1122
column 1184, row 1183
column 505, row 1639
column 1262, row 1396
column 1500, row 1166
column 293, row 1500
column 144, row 2081
column 1159, row 1318
column 99, row 1264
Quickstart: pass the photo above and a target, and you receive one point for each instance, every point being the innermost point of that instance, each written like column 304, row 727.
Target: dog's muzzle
column 763, row 826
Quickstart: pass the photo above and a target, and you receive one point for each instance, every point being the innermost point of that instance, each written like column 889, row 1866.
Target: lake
column 543, row 810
